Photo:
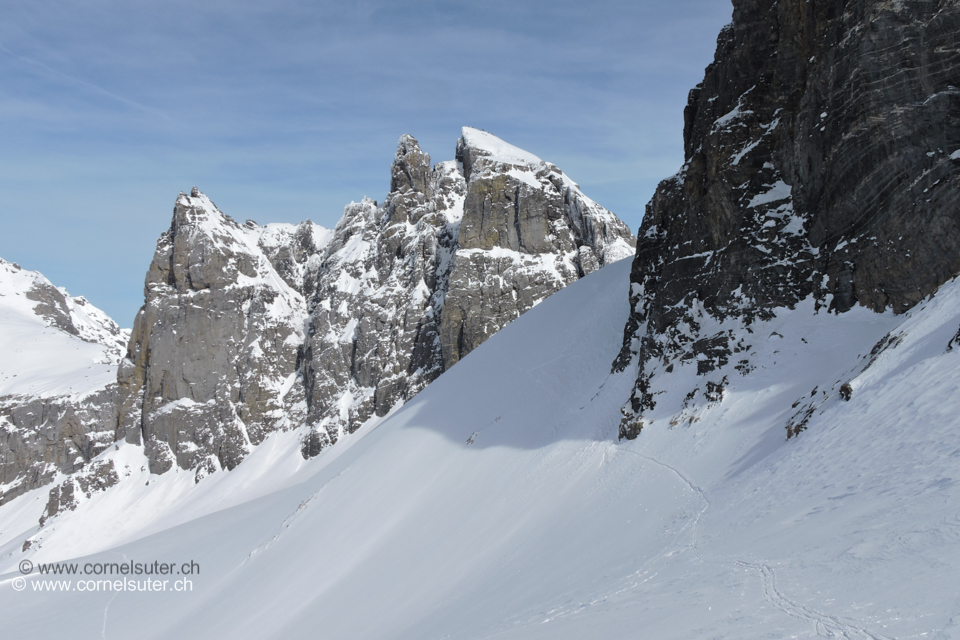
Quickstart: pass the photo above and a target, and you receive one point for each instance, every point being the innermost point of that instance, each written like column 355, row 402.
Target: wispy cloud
column 287, row 110
column 59, row 76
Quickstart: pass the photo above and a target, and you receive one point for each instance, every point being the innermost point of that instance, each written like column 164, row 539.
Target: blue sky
column 288, row 110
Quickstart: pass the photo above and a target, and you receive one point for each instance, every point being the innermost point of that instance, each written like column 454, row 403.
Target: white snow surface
column 780, row 190
column 39, row 359
column 276, row 234
column 497, row 149
column 498, row 503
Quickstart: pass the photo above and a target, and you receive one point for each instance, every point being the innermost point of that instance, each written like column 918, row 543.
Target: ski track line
column 834, row 627
column 825, row 625
column 103, row 630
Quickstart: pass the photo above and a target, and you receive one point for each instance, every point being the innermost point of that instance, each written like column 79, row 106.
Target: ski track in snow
column 103, row 633
column 824, row 625
column 633, row 577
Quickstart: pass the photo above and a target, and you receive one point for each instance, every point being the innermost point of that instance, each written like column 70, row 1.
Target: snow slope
column 497, row 150
column 498, row 504
column 39, row 358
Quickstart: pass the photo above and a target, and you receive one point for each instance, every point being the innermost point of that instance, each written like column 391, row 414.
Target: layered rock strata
column 822, row 159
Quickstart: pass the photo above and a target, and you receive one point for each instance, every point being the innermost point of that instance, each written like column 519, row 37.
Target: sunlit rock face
column 248, row 329
column 455, row 252
column 212, row 363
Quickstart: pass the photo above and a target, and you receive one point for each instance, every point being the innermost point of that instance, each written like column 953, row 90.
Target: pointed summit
column 203, row 382
column 411, row 167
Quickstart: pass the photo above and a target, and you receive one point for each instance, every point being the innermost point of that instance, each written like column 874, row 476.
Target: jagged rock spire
column 411, row 168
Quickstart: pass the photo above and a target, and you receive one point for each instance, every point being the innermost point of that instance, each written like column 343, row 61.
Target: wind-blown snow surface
column 498, row 150
column 498, row 504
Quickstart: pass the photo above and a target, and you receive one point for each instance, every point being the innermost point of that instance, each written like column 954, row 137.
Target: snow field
column 498, row 503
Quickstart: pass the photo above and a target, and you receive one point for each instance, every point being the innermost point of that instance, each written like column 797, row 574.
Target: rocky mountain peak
column 58, row 358
column 203, row 248
column 479, row 149
column 411, row 168
column 344, row 325
column 250, row 330
column 31, row 294
column 214, row 349
column 411, row 183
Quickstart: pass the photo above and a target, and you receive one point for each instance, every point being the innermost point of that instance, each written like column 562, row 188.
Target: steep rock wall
column 822, row 158
column 212, row 363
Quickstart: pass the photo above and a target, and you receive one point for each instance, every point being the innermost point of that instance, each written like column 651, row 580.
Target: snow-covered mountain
column 773, row 452
column 58, row 360
column 498, row 502
column 455, row 252
column 248, row 330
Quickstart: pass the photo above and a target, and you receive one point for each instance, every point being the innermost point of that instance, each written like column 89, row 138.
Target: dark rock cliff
column 822, row 158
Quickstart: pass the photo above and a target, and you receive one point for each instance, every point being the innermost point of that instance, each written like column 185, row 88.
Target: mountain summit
column 58, row 360
column 249, row 330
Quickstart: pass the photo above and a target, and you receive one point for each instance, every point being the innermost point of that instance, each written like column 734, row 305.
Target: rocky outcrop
column 294, row 251
column 374, row 326
column 527, row 232
column 396, row 294
column 456, row 251
column 38, row 303
column 43, row 436
column 822, row 159
column 67, row 495
column 57, row 403
column 212, row 364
